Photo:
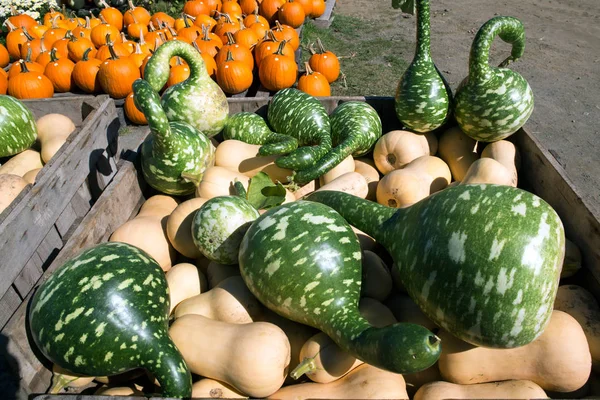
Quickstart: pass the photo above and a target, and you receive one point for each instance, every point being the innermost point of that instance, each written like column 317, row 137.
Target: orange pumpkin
column 4, row 56
column 268, row 47
column 136, row 13
column 209, row 62
column 52, row 15
column 29, row 84
column 292, row 14
column 111, row 15
column 138, row 55
column 44, row 58
column 21, row 20
column 15, row 68
column 105, row 52
column 129, row 44
column 204, row 20
column 153, row 38
column 246, row 37
column 238, row 52
column 208, row 45
column 233, row 9
column 78, row 46
column 269, row 9
column 307, row 5
column 278, row 71
column 39, row 30
column 137, row 29
column 161, row 18
column 14, row 39
column 178, row 73
column 248, row 6
column 314, row 83
column 189, row 32
column 286, row 32
column 3, row 81
column 254, row 18
column 83, row 30
column 117, row 75
column 234, row 76
column 85, row 73
column 325, row 62
column 33, row 44
column 195, row 8
column 226, row 24
column 54, row 34
column 61, row 46
column 100, row 32
column 132, row 112
column 214, row 5
column 60, row 71
column 144, row 63
column 318, row 8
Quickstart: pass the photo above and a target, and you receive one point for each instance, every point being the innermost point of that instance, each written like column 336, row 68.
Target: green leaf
column 263, row 193
column 407, row 6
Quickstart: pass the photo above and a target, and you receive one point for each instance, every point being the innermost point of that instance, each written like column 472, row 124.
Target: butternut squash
column 185, row 280
column 253, row 358
column 53, row 131
column 158, row 206
column 505, row 153
column 230, row 301
column 458, row 151
column 31, row 176
column 397, row 148
column 406, row 310
column 216, row 273
column 218, row 181
column 22, row 163
column 119, row 391
column 583, row 306
column 513, row 389
column 243, row 158
column 351, row 182
column 572, row 261
column 179, row 227
column 488, row 170
column 366, row 167
column 347, row 165
column 416, row 380
column 558, row 360
column 61, row 378
column 10, row 187
column 376, row 278
column 306, row 189
column 364, row 382
column 417, row 180
column 212, row 389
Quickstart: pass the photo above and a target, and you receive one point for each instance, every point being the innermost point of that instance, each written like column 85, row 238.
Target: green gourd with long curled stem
column 303, row 261
column 423, row 97
column 493, row 103
column 198, row 100
column 251, row 128
column 355, row 127
column 299, row 115
column 173, row 150
column 482, row 261
column 106, row 312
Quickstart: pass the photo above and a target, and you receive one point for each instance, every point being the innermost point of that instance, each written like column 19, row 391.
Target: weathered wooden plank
column 81, row 202
column 72, row 107
column 50, row 246
column 66, row 219
column 325, row 20
column 30, row 274
column 23, row 229
column 9, row 302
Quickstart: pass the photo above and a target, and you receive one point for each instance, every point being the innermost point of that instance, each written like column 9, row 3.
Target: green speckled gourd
column 220, row 224
column 18, row 130
column 355, row 127
column 172, row 148
column 252, row 128
column 482, row 261
column 493, row 103
column 423, row 98
column 105, row 312
column 300, row 115
column 303, row 261
column 198, row 100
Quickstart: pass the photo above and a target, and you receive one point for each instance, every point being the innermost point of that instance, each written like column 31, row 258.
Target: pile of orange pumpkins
column 107, row 53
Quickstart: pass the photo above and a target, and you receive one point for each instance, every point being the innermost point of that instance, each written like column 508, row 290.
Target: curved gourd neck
column 157, row 70
column 148, row 101
column 510, row 30
column 423, row 51
column 166, row 363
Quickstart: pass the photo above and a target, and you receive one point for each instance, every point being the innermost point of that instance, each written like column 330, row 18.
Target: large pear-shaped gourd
column 303, row 261
column 198, row 100
column 173, row 149
column 482, row 261
column 423, row 97
column 17, row 126
column 105, row 312
column 493, row 103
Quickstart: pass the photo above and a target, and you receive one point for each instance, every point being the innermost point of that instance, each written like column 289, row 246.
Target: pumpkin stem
column 230, row 39
column 102, row 19
column 172, row 32
column 103, row 3
column 229, row 56
column 13, row 10
column 23, row 66
column 271, row 36
column 309, row 71
column 278, row 26
column 138, row 49
column 111, row 48
column 27, row 34
column 130, row 4
column 11, row 26
column 86, row 54
column 88, row 23
column 306, row 365
column 28, row 55
column 151, row 27
column 134, row 18
column 53, row 57
column 186, row 20
column 142, row 40
column 54, row 23
column 312, row 49
column 280, row 48
column 321, row 47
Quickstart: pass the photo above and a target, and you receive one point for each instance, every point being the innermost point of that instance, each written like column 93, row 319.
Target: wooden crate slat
column 325, row 20
column 82, row 201
column 9, row 302
column 29, row 275
column 66, row 219
column 50, row 245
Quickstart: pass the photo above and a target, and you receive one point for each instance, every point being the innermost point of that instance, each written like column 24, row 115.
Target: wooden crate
column 121, row 200
column 36, row 225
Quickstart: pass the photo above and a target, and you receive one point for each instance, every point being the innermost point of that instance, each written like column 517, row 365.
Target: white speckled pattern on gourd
column 423, row 98
column 493, row 103
column 355, row 127
column 482, row 261
column 172, row 148
column 18, row 130
column 253, row 129
column 303, row 261
column 105, row 312
column 219, row 226
column 300, row 115
column 198, row 100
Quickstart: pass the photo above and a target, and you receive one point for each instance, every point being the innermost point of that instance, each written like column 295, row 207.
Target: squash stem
column 195, row 179
column 59, row 382
column 305, row 366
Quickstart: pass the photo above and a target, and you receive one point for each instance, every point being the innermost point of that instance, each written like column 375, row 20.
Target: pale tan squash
column 435, row 168
column 61, row 378
column 583, row 306
column 119, row 391
column 496, row 390
column 50, row 148
column 253, row 358
column 216, row 273
column 458, row 151
column 366, row 167
column 230, row 301
column 572, row 260
column 31, row 176
column 366, row 241
column 351, row 182
column 406, row 310
column 212, row 389
column 488, row 170
column 395, row 149
column 185, row 280
column 149, row 234
column 306, row 189
column 54, row 125
column 179, row 227
column 558, row 360
column 376, row 278
column 416, row 380
column 364, row 382
column 243, row 158
column 347, row 165
column 22, row 163
column 10, row 187
column 506, row 154
column 375, row 312
column 158, row 206
column 219, row 181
